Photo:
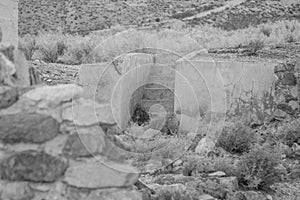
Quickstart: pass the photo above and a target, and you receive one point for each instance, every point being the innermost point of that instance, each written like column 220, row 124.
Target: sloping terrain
column 88, row 15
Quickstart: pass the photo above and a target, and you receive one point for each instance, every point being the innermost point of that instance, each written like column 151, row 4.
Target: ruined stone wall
column 53, row 144
column 287, row 89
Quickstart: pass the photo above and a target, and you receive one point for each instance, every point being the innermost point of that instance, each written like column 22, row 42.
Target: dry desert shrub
column 27, row 45
column 236, row 139
column 257, row 169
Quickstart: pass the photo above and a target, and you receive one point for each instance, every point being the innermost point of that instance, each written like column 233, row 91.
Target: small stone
column 32, row 166
column 217, row 174
column 206, row 197
column 115, row 194
column 85, row 144
column 149, row 133
column 205, row 146
column 55, row 147
column 294, row 105
column 289, row 79
column 8, row 96
column 100, row 174
column 286, row 108
column 27, row 128
column 15, row 191
column 279, row 114
column 230, row 183
column 86, row 112
column 279, row 68
column 269, row 197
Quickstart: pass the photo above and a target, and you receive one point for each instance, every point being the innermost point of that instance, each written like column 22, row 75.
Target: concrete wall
column 9, row 21
column 122, row 89
column 214, row 86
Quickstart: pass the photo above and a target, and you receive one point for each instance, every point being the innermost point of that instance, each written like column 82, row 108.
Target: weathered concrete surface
column 213, row 86
column 121, row 86
column 9, row 21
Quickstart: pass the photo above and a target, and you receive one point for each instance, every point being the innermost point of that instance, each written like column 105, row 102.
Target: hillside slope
column 88, row 15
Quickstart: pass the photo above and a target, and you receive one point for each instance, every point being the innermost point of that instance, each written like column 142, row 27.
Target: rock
column 212, row 187
column 55, row 147
column 85, row 144
column 149, row 133
column 294, row 105
column 85, row 112
column 279, row 68
column 171, row 179
column 115, row 194
column 153, row 165
column 27, row 128
column 7, row 70
column 217, row 174
column 206, row 197
column 286, row 108
column 230, row 183
column 176, row 191
column 8, row 51
column 20, row 147
column 205, row 146
column 8, row 96
column 15, row 191
column 279, row 114
column 100, row 174
column 53, row 96
column 32, row 166
column 249, row 195
column 289, row 79
column 1, row 35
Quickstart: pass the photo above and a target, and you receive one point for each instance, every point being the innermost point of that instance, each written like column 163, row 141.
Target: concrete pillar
column 9, row 21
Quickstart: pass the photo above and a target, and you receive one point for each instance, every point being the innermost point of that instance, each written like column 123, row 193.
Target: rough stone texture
column 7, row 71
column 27, row 128
column 287, row 93
column 55, row 147
column 115, row 194
column 8, row 96
column 84, row 145
column 205, row 145
column 100, row 174
column 32, row 166
column 15, row 191
column 84, row 112
column 49, row 97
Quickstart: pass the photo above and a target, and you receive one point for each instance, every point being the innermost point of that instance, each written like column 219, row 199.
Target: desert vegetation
column 77, row 49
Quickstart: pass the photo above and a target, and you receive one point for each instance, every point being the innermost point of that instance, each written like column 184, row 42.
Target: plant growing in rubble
column 257, row 169
column 236, row 139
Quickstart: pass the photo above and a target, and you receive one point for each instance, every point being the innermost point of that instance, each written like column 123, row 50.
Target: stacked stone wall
column 53, row 144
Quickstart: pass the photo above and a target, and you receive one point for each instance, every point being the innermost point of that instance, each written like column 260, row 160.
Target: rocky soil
column 35, row 16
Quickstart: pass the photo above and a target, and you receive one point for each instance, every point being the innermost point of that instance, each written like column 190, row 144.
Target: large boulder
column 100, row 174
column 27, row 128
column 32, row 166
